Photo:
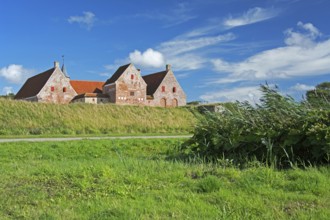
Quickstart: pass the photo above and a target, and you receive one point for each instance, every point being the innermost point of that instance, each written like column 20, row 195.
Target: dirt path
column 89, row 138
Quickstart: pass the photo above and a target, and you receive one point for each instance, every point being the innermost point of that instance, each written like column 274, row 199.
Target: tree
column 320, row 96
column 8, row 96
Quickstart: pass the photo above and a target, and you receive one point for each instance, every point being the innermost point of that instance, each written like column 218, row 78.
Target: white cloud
column 183, row 54
column 149, row 58
column 15, row 73
column 302, row 56
column 186, row 62
column 253, row 15
column 6, row 90
column 302, row 39
column 87, row 20
column 314, row 32
column 251, row 94
column 177, row 15
column 302, row 87
column 179, row 46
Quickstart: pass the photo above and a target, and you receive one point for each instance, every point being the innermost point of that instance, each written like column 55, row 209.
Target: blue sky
column 219, row 50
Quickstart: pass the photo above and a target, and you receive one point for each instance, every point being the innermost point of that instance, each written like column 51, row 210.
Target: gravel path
column 89, row 138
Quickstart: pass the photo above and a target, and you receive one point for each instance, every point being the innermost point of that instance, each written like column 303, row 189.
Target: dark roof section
column 153, row 81
column 82, row 87
column 33, row 85
column 87, row 95
column 117, row 74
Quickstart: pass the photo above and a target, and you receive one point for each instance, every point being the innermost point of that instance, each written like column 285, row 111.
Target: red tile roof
column 33, row 85
column 117, row 74
column 153, row 81
column 82, row 87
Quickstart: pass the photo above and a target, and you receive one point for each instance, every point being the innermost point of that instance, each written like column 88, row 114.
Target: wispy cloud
column 15, row 73
column 178, row 15
column 251, row 16
column 217, row 25
column 304, row 54
column 87, row 20
column 251, row 94
column 184, row 54
column 179, row 46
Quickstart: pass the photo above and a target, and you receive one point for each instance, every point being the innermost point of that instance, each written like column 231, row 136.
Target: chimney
column 168, row 67
column 56, row 64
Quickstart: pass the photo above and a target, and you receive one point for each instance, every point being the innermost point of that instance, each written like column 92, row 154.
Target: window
column 174, row 89
column 132, row 76
column 52, row 88
column 64, row 89
column 163, row 88
column 132, row 93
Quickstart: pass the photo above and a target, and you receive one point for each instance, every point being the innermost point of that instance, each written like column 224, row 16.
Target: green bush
column 278, row 131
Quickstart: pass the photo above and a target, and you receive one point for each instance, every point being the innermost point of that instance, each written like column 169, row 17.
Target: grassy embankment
column 24, row 118
column 133, row 179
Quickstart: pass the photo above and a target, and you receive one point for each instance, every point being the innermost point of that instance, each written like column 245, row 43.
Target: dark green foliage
column 320, row 96
column 278, row 131
column 194, row 103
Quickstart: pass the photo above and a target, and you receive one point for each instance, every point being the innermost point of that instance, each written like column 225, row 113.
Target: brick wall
column 57, row 89
column 169, row 93
column 130, row 88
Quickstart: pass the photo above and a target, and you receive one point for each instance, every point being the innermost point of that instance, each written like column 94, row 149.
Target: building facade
column 125, row 87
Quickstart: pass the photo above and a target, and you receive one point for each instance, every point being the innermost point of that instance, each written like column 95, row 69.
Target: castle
column 126, row 87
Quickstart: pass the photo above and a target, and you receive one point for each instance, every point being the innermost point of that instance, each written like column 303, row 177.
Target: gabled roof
column 33, row 85
column 82, row 87
column 117, row 74
column 153, row 81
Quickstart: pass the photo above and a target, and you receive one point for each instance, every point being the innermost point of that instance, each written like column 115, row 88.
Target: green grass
column 25, row 118
column 134, row 179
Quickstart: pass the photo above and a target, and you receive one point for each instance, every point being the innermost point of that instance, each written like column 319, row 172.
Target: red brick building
column 125, row 86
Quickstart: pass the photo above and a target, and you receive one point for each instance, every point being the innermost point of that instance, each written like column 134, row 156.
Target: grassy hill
column 135, row 179
column 25, row 118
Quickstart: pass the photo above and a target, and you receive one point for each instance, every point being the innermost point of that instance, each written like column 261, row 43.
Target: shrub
column 277, row 131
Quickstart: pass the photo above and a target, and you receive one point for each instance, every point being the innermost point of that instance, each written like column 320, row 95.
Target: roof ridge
column 117, row 74
column 34, row 84
column 156, row 73
column 42, row 73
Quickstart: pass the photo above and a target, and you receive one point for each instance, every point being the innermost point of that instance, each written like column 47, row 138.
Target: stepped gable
column 33, row 85
column 117, row 74
column 153, row 81
column 82, row 87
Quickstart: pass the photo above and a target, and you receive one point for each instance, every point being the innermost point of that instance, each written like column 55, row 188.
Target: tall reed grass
column 26, row 118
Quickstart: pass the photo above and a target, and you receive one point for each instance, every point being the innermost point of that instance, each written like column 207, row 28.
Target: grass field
column 26, row 118
column 135, row 179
